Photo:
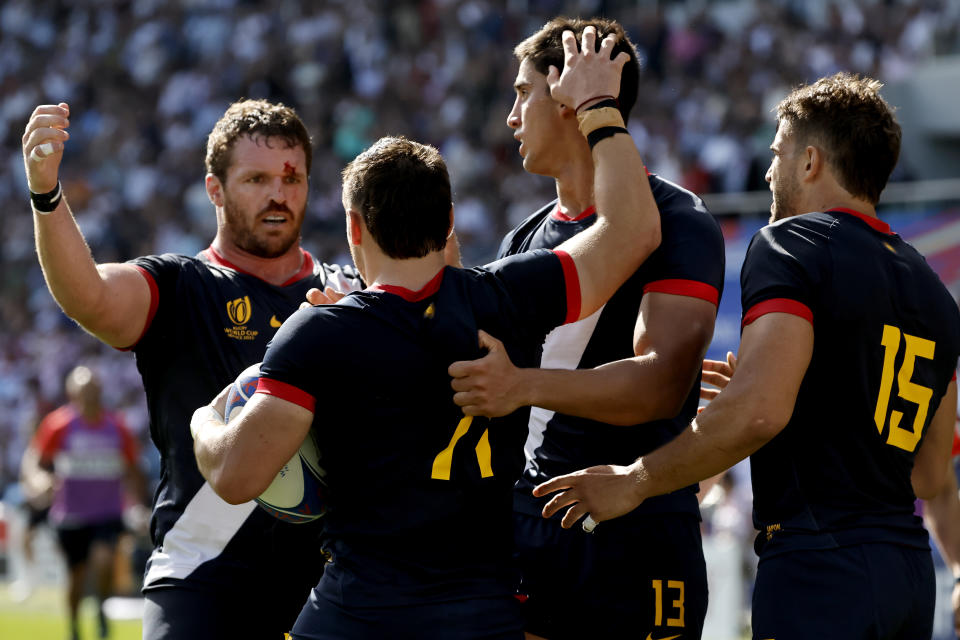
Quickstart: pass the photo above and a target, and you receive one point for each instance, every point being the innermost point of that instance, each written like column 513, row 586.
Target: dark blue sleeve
column 542, row 286
column 690, row 260
column 162, row 274
column 783, row 269
column 289, row 368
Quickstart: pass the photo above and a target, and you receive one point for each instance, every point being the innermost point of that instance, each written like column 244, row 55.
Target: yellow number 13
column 905, row 439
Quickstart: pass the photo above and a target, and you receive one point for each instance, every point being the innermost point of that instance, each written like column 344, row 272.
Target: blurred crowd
column 146, row 80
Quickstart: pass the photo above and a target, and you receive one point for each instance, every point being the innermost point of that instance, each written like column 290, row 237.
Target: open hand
column 717, row 373
column 587, row 73
column 604, row 492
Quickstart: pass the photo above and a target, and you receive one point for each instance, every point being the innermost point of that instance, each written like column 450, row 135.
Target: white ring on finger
column 589, row 524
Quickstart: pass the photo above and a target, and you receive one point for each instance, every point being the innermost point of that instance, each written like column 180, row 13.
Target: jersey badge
column 239, row 311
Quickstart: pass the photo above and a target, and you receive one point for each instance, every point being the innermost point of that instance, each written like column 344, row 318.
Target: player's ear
column 814, row 162
column 214, row 189
column 354, row 228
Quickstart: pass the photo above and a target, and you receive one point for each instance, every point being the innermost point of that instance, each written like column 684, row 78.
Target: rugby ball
column 298, row 492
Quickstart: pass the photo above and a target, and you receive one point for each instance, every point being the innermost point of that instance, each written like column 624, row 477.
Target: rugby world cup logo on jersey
column 239, row 311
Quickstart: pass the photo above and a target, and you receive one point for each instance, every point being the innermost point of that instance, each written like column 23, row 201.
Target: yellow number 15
column 905, row 439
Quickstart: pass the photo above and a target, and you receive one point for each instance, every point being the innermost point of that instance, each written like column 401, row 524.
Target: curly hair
column 402, row 190
column 255, row 118
column 545, row 48
column 854, row 126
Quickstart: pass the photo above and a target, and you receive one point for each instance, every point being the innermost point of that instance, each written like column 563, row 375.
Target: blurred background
column 147, row 79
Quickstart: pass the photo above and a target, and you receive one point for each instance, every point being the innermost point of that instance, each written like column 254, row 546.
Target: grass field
column 43, row 617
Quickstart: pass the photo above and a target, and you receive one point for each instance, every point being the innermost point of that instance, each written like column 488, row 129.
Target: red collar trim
column 306, row 268
column 875, row 223
column 559, row 215
column 409, row 295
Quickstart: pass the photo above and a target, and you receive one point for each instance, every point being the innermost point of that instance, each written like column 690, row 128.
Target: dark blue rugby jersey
column 209, row 321
column 886, row 341
column 420, row 498
column 689, row 261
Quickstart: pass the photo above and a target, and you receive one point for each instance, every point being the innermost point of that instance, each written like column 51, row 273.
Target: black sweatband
column 46, row 202
column 609, row 102
column 597, row 135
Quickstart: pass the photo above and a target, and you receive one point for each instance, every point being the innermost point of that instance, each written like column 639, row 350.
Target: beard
column 262, row 243
column 786, row 195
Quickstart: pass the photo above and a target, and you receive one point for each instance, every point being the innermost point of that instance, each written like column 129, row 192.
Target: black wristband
column 602, row 133
column 46, row 202
column 609, row 102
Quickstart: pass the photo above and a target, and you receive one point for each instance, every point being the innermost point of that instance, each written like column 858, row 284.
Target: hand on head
column 587, row 73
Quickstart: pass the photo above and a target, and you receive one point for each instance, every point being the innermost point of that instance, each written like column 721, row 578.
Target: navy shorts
column 858, row 592
column 476, row 619
column 178, row 611
column 76, row 541
column 639, row 576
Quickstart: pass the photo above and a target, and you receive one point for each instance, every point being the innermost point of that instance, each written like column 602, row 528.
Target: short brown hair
column 254, row 118
column 545, row 48
column 855, row 127
column 402, row 189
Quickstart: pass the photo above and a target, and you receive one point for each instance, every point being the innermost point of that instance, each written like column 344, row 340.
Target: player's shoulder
column 672, row 199
column 682, row 210
column 807, row 230
column 60, row 417
column 516, row 239
column 170, row 262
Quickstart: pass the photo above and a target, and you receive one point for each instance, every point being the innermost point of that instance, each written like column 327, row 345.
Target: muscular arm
column 241, row 459
column 671, row 336
column 932, row 464
column 774, row 354
column 111, row 301
column 627, row 229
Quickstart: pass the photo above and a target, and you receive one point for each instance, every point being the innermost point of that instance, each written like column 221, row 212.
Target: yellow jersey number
column 898, row 436
column 444, row 459
column 676, row 604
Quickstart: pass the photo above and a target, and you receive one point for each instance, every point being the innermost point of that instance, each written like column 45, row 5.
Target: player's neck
column 412, row 273
column 273, row 270
column 575, row 188
column 827, row 194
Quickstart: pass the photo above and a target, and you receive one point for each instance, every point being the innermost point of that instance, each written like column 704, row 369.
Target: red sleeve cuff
column 154, row 303
column 690, row 288
column 778, row 305
column 286, row 392
column 572, row 281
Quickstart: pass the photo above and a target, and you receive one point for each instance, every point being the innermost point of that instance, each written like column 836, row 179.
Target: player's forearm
column 216, row 451
column 625, row 392
column 731, row 428
column 627, row 230
column 942, row 513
